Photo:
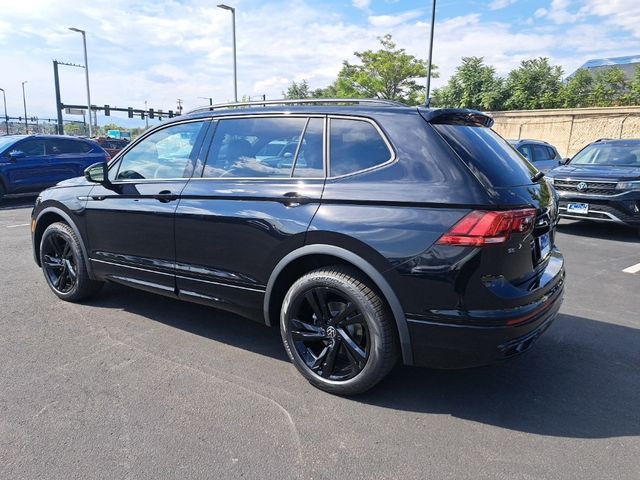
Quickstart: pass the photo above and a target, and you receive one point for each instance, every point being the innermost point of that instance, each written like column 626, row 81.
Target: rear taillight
column 482, row 227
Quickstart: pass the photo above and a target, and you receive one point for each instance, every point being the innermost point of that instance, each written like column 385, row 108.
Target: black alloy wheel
column 338, row 331
column 59, row 263
column 329, row 333
column 64, row 265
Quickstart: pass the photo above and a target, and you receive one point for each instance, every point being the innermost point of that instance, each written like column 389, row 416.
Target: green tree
column 578, row 90
column 388, row 73
column 298, row 90
column 610, row 87
column 474, row 85
column 633, row 96
column 535, row 84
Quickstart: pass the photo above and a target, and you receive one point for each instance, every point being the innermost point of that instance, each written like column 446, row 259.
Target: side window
column 309, row 162
column 62, row 145
column 167, row 153
column 525, row 150
column 355, row 145
column 552, row 153
column 31, row 148
column 540, row 153
column 254, row 147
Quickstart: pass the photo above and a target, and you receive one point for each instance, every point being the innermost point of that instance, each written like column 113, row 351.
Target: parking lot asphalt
column 131, row 385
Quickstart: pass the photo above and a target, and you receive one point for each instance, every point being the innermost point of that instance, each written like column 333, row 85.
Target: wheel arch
column 306, row 258
column 48, row 216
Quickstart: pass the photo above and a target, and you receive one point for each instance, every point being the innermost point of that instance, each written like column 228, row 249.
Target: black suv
column 392, row 231
column 601, row 183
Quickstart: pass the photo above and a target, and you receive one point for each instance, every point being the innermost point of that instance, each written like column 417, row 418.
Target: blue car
column 31, row 163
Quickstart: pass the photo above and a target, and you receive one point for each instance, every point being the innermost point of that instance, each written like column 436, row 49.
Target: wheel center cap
column 331, row 332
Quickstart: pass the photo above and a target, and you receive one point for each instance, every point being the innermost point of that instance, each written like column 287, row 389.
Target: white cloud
column 393, row 20
column 559, row 12
column 362, row 4
column 499, row 4
column 619, row 13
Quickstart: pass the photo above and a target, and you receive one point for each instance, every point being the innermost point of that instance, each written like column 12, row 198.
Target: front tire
column 63, row 264
column 338, row 331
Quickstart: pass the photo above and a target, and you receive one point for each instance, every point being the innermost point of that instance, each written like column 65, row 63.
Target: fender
column 72, row 224
column 367, row 268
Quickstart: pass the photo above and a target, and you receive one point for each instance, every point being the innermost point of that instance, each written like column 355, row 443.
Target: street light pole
column 146, row 116
column 233, row 31
column 6, row 117
column 208, row 98
column 86, row 73
column 433, row 24
column 24, row 101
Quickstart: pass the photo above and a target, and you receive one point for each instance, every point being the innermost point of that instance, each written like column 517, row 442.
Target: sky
column 162, row 50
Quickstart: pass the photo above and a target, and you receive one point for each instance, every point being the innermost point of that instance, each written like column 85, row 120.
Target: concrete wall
column 569, row 129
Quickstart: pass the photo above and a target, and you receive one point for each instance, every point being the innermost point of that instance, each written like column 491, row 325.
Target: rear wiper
column 537, row 177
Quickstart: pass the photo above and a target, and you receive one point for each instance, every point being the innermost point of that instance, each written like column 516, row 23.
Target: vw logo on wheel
column 331, row 332
column 582, row 186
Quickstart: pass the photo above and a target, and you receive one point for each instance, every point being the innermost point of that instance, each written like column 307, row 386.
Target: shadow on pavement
column 14, row 203
column 603, row 231
column 581, row 380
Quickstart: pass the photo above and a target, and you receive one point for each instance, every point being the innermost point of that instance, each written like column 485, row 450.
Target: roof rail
column 301, row 101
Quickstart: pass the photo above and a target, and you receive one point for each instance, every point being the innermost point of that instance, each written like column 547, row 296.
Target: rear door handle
column 294, row 199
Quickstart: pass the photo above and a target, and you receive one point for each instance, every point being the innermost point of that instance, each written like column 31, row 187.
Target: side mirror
column 16, row 154
column 288, row 155
column 97, row 173
column 564, row 161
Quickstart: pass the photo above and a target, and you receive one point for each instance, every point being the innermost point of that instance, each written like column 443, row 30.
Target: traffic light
column 170, row 113
column 130, row 112
column 107, row 110
column 142, row 115
column 151, row 113
column 159, row 114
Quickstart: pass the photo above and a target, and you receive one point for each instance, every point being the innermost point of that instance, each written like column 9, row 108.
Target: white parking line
column 632, row 269
column 21, row 225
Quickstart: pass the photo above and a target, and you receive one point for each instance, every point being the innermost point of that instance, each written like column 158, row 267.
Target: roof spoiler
column 457, row 116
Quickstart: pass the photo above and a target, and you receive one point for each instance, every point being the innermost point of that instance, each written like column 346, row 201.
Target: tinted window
column 355, row 145
column 610, row 154
column 66, row 146
column 31, row 148
column 525, row 150
column 167, row 153
column 488, row 155
column 540, row 153
column 309, row 162
column 244, row 147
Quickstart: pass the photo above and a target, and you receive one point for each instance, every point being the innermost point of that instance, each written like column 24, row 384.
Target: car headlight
column 634, row 185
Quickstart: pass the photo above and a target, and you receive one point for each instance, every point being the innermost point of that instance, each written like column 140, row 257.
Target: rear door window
column 255, row 147
column 65, row 146
column 541, row 153
column 355, row 145
column 488, row 155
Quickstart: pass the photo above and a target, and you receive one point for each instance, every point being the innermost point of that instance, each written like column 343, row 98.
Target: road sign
column 74, row 111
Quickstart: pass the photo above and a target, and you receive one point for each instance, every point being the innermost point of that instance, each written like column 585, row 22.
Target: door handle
column 294, row 199
column 165, row 196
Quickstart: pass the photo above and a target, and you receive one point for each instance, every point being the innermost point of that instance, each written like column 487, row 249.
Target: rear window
column 488, row 155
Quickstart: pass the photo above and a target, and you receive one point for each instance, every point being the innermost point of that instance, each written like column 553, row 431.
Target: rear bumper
column 447, row 345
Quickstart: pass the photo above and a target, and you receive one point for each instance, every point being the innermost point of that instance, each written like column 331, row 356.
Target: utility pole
column 146, row 116
column 6, row 117
column 179, row 108
column 56, row 80
column 233, row 32
column 86, row 74
column 24, row 101
column 433, row 24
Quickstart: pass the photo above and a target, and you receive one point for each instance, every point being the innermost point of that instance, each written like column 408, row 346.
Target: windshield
column 6, row 141
column 609, row 154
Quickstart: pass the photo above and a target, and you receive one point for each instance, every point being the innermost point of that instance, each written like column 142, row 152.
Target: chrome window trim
column 392, row 152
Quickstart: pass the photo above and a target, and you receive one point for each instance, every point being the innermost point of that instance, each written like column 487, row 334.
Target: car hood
column 604, row 173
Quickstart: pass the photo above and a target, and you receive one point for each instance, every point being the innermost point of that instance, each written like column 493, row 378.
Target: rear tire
column 63, row 264
column 2, row 191
column 338, row 331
